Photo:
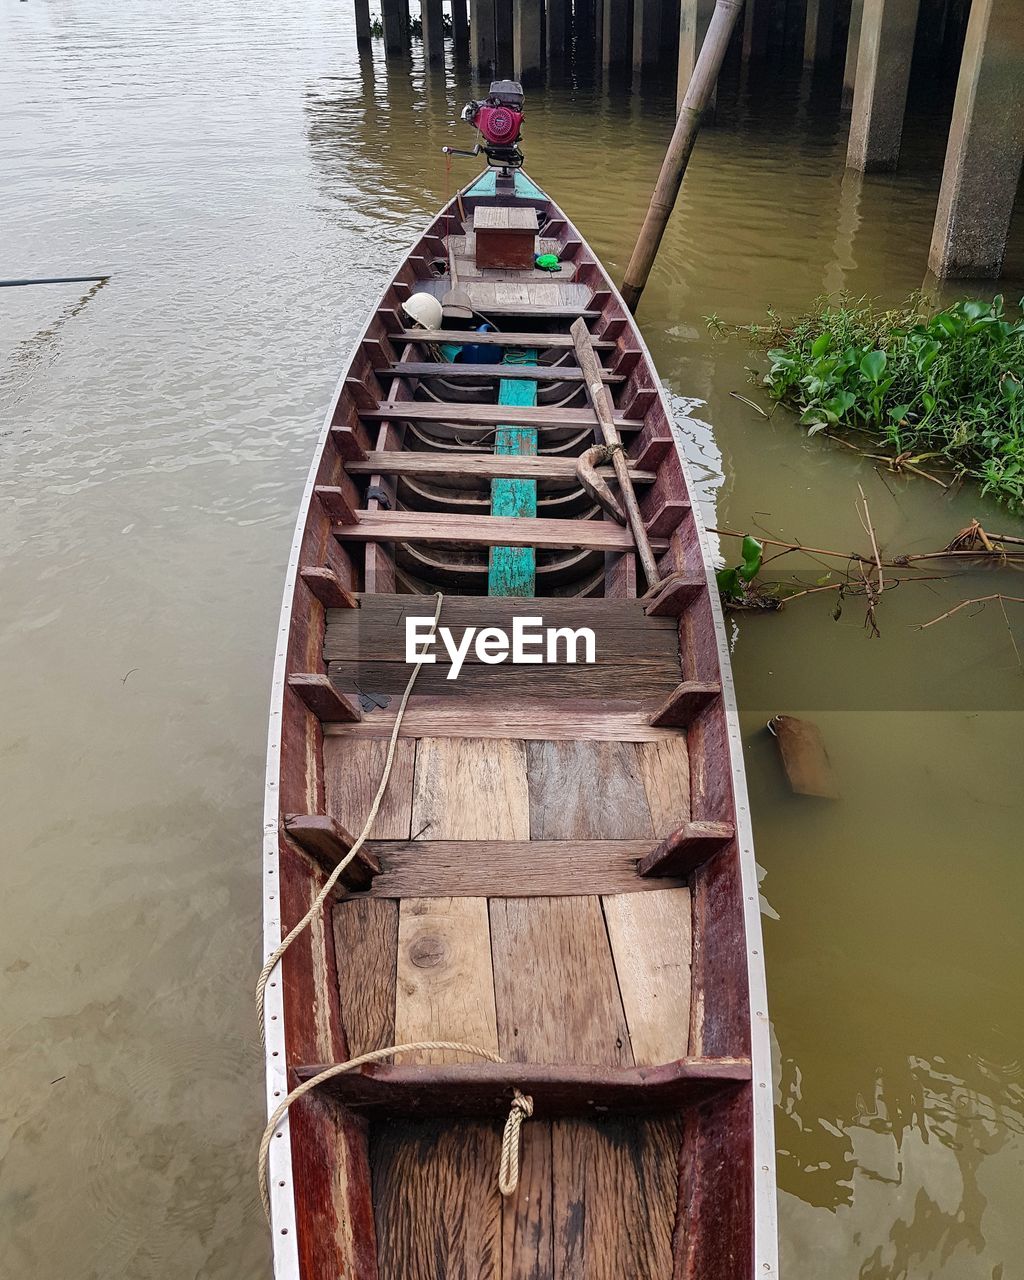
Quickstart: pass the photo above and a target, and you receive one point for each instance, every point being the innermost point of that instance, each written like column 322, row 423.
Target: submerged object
column 804, row 757
column 560, row 879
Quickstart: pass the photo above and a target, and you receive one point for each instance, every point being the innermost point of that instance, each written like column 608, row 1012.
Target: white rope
column 332, row 879
column 522, row 1106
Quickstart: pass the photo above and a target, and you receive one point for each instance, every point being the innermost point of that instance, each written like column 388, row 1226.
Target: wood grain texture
column 547, row 719
column 327, row 842
column 665, row 770
column 469, row 466
column 555, row 991
column 527, row 1235
column 545, row 533
column 435, row 1192
column 503, row 339
column 366, row 953
column 352, row 772
column 491, row 415
column 686, row 848
column 482, row 1088
column 327, row 587
column 686, row 703
column 650, row 943
column 648, row 678
column 623, row 635
column 471, row 789
column 615, row 1197
column 465, row 372
column 487, row 868
column 327, row 703
column 445, row 987
column 586, row 791
column 716, row 1191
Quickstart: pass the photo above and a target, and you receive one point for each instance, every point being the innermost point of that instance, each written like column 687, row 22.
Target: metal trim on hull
column 282, row 1185
column 285, row 1242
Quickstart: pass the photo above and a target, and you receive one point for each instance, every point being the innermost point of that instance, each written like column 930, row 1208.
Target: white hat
column 424, row 309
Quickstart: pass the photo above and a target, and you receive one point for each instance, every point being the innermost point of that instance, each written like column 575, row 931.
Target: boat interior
column 553, row 874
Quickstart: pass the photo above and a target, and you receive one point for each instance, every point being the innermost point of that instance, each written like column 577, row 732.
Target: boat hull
column 341, row 1160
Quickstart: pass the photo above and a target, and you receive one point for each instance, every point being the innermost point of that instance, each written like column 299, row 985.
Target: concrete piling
column 482, row 46
column 556, row 31
column 694, row 19
column 757, row 18
column 615, row 32
column 362, row 10
column 884, row 55
column 985, row 150
column 986, row 146
column 527, row 29
column 432, row 18
column 460, row 27
column 646, row 33
column 819, row 29
column 852, row 49
column 396, row 26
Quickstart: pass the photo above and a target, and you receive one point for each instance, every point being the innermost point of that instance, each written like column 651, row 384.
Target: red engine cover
column 499, row 125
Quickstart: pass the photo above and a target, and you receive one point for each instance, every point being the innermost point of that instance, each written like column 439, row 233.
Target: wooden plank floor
column 600, row 978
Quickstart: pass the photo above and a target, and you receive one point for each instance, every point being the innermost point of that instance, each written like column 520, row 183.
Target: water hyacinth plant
column 949, row 387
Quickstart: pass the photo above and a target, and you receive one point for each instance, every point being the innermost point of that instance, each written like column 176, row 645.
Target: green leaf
column 821, row 344
column 841, row 403
column 728, row 583
column 752, row 552
column 899, row 412
column 873, row 365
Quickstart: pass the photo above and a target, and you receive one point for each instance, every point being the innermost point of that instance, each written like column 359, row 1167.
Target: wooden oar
column 602, row 406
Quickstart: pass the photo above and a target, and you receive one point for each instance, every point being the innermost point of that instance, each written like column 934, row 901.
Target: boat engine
column 499, row 119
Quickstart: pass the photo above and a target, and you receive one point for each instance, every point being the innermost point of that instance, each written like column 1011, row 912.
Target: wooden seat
column 485, row 1088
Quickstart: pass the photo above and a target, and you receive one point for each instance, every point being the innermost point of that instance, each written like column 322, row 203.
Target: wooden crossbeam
column 479, row 466
column 326, row 703
column 485, row 868
column 686, row 848
column 327, row 842
column 604, row 719
column 328, row 587
column 491, row 415
column 485, row 1088
column 457, row 372
column 685, row 703
column 336, row 503
column 542, row 341
column 488, row 531
column 676, row 595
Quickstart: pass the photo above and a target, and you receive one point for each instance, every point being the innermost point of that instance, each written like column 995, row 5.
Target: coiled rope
column 522, row 1105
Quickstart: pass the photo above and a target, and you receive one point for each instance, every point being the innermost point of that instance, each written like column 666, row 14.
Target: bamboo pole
column 696, row 99
column 601, row 401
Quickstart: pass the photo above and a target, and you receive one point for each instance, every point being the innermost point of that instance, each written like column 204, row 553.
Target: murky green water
column 250, row 185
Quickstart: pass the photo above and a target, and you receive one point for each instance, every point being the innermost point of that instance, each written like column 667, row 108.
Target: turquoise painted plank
column 486, row 185
column 512, row 571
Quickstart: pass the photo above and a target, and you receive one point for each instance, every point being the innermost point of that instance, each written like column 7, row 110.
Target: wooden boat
column 561, row 872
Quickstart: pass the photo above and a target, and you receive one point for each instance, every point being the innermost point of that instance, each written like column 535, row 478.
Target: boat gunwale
column 764, row 1203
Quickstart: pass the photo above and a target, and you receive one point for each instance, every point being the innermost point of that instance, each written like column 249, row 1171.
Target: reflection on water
column 251, row 182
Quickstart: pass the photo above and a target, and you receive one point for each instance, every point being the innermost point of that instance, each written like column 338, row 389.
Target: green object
column 547, row 262
column 450, row 350
column 485, row 185
column 512, row 571
column 942, row 391
column 731, row 582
